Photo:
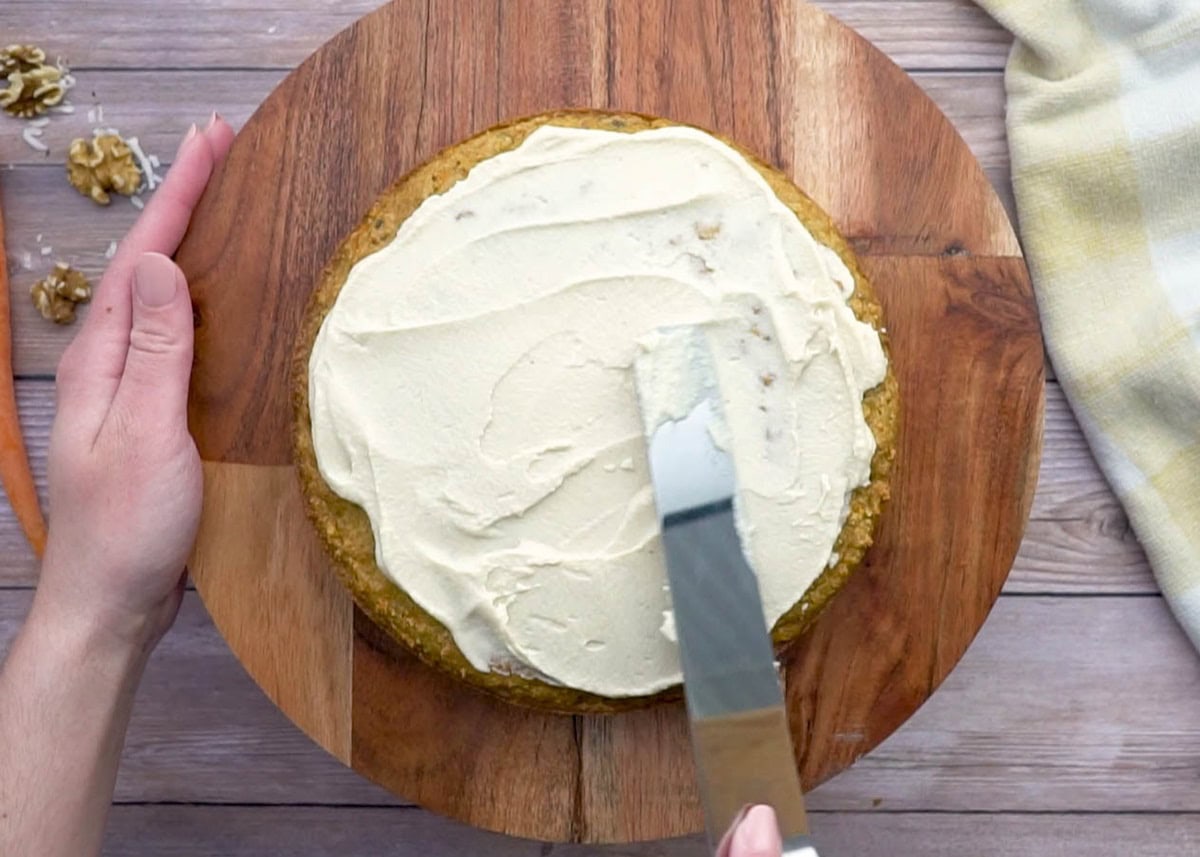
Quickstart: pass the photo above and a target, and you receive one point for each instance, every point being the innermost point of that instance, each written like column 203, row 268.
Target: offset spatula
column 739, row 724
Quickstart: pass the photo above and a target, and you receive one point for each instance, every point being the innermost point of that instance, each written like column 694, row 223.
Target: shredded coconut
column 111, row 251
column 30, row 135
column 152, row 179
column 137, row 202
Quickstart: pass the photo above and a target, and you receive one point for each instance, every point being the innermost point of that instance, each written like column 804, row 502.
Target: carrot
column 14, row 462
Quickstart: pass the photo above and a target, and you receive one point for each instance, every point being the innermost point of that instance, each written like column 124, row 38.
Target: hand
column 125, row 479
column 756, row 834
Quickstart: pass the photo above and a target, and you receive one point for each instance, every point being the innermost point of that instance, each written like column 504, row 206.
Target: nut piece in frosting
column 57, row 295
column 104, row 163
column 29, row 87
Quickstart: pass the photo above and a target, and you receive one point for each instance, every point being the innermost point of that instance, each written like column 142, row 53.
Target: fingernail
column 155, row 280
column 213, row 120
column 758, row 834
column 187, row 138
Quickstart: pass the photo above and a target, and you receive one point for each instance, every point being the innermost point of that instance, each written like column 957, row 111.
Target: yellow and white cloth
column 1104, row 128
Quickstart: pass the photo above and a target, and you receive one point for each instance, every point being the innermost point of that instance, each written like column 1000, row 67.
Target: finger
column 220, row 136
column 91, row 368
column 165, row 220
column 153, row 390
column 757, row 835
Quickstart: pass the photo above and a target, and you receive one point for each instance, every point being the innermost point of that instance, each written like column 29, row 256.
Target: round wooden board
column 803, row 92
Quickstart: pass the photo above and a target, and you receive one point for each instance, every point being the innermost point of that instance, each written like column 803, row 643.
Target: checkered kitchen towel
column 1104, row 127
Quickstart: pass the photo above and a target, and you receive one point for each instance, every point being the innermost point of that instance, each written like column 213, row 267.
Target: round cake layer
column 464, row 369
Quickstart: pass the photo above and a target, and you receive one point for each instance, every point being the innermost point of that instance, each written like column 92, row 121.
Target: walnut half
column 21, row 58
column 56, row 295
column 101, row 164
column 32, row 87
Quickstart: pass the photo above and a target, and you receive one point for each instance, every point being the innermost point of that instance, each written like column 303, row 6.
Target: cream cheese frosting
column 472, row 389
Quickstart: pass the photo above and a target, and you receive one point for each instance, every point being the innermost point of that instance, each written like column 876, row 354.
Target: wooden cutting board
column 803, row 92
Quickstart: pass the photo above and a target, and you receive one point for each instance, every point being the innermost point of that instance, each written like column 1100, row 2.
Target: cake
column 466, row 427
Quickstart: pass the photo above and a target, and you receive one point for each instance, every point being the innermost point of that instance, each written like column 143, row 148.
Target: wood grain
column 262, row 572
column 155, row 107
column 281, row 33
column 1054, row 709
column 904, row 197
column 780, row 78
column 930, row 579
column 415, row 730
column 1043, row 698
column 176, row 831
column 1003, row 835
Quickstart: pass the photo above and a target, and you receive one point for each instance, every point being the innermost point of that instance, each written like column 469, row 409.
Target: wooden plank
column 281, row 33
column 222, row 33
column 155, row 106
column 1071, row 704
column 310, row 677
column 924, row 34
column 416, row 730
column 1004, row 835
column 1061, row 705
column 1077, row 541
column 158, row 106
column 1078, row 538
column 241, row 831
column 974, row 103
column 207, row 831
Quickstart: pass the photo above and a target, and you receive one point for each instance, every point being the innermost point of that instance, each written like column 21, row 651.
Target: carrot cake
column 467, row 429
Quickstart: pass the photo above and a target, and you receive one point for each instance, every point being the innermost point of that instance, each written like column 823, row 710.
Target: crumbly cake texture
column 345, row 529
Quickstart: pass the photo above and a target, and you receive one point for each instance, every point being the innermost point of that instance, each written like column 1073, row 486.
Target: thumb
column 154, row 383
column 757, row 835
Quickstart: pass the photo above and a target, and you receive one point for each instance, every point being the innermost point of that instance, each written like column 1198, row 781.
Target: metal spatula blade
column 740, row 733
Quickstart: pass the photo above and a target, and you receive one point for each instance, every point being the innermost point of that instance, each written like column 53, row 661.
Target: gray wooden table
column 1072, row 727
